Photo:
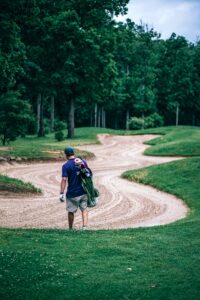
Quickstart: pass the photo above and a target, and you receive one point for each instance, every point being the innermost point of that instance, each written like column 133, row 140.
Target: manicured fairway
column 146, row 263
column 154, row 263
column 183, row 141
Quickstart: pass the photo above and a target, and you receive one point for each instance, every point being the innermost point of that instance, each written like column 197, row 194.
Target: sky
column 167, row 16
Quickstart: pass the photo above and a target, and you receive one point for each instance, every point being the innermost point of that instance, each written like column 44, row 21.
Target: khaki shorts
column 77, row 202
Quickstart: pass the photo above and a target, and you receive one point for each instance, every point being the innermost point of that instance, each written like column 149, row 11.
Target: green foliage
column 17, row 186
column 136, row 123
column 59, row 136
column 122, row 69
column 12, row 53
column 59, row 125
column 32, row 126
column 153, row 121
column 15, row 115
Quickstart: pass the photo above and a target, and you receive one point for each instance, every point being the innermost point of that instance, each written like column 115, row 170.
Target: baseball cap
column 69, row 151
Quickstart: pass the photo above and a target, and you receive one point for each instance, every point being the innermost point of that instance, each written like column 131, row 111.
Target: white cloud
column 179, row 16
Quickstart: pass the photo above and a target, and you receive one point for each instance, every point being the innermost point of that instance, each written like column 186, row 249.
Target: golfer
column 76, row 197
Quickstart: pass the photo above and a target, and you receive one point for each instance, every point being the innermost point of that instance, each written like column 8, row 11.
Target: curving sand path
column 122, row 204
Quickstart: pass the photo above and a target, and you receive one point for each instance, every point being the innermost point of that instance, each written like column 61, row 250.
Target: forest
column 69, row 63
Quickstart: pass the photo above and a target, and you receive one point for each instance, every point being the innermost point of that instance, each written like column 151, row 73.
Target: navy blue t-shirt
column 74, row 188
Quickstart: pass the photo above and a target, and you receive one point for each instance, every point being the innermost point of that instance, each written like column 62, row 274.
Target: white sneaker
column 84, row 228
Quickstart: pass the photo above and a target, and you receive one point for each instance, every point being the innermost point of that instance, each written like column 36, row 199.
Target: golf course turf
column 145, row 263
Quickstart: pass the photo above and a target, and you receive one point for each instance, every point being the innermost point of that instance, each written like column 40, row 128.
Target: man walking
column 76, row 197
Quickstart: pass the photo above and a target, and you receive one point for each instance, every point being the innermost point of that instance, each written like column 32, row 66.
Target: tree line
column 69, row 63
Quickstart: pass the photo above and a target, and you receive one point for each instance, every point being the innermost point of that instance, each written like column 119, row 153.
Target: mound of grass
column 178, row 141
column 46, row 148
column 17, row 186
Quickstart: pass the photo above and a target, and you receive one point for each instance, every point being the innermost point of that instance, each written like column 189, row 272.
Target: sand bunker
column 122, row 204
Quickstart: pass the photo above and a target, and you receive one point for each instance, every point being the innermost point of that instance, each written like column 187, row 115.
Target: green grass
column 154, row 263
column 46, row 148
column 146, row 263
column 17, row 186
column 183, row 141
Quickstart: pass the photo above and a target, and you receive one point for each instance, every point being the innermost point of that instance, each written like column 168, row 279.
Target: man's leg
column 70, row 219
column 72, row 207
column 85, row 217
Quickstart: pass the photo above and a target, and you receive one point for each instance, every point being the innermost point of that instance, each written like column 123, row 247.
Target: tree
column 193, row 102
column 125, row 42
column 73, row 32
column 15, row 115
column 181, row 85
column 174, row 80
column 12, row 50
column 136, row 63
column 76, row 64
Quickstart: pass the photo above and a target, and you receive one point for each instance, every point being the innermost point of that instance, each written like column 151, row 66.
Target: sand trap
column 122, row 204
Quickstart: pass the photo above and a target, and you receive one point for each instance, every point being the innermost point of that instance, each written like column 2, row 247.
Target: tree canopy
column 71, row 62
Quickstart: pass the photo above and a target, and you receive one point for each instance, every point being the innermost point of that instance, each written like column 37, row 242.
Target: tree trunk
column 91, row 118
column 143, row 109
column 71, row 119
column 127, row 71
column 143, row 120
column 99, row 118
column 177, row 113
column 193, row 119
column 52, row 112
column 103, row 118
column 41, row 120
column 95, row 114
column 38, row 112
column 116, row 121
column 127, row 119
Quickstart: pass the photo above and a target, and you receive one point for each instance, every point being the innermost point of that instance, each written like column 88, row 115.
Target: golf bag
column 87, row 183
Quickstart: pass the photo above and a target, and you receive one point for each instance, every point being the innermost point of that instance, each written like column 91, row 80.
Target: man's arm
column 63, row 184
column 62, row 188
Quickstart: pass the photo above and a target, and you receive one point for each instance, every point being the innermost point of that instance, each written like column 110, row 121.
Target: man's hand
column 62, row 197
